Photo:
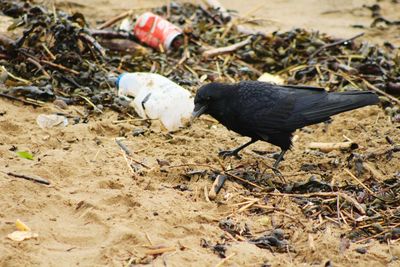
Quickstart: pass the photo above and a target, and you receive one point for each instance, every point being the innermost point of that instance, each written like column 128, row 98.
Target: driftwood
column 216, row 187
column 115, row 19
column 327, row 147
column 224, row 50
column 123, row 45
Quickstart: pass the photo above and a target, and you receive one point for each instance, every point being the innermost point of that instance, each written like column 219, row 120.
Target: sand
column 96, row 212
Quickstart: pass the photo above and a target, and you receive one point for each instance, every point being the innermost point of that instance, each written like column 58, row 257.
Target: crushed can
column 156, row 31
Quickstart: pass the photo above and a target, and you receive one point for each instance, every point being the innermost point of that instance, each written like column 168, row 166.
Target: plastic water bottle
column 157, row 97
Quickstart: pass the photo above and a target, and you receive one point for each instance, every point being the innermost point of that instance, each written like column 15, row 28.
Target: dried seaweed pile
column 62, row 56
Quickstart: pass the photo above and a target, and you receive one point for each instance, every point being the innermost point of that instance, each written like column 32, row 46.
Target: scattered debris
column 23, row 232
column 49, row 121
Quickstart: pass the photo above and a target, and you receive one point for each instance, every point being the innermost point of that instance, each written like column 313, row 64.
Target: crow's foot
column 229, row 153
column 279, row 174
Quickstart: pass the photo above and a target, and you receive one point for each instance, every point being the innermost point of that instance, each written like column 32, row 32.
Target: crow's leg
column 275, row 166
column 280, row 157
column 235, row 152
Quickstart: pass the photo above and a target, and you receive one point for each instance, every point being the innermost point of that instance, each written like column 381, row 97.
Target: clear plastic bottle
column 157, row 97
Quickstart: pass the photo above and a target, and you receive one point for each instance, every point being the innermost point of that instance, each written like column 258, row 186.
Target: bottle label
column 154, row 31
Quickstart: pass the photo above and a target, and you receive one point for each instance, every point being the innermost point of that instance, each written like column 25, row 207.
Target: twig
column 244, row 180
column 378, row 234
column 58, row 66
column 225, row 259
column 327, row 147
column 128, row 153
column 91, row 103
column 40, row 67
column 52, row 56
column 148, row 239
column 91, row 41
column 123, row 45
column 227, row 49
column 14, row 77
column 30, row 178
column 129, row 164
column 109, row 34
column 253, row 69
column 221, row 172
column 361, row 183
column 21, row 100
column 248, row 205
column 325, row 194
column 290, row 217
column 159, row 250
column 335, row 44
column 115, row 19
column 123, row 147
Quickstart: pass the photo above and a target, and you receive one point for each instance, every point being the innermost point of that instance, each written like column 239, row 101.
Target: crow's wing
column 268, row 109
column 264, row 108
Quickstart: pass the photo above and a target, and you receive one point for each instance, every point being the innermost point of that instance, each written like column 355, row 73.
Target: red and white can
column 154, row 30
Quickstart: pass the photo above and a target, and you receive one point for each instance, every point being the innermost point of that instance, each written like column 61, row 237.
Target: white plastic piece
column 48, row 121
column 157, row 97
column 269, row 78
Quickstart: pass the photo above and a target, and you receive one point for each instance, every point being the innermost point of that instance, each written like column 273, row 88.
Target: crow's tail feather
column 336, row 103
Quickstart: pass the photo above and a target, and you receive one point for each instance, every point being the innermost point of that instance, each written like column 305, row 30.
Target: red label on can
column 154, row 31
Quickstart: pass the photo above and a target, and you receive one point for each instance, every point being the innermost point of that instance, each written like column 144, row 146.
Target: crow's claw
column 229, row 153
column 279, row 174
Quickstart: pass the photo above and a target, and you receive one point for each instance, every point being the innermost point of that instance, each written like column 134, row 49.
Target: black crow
column 271, row 113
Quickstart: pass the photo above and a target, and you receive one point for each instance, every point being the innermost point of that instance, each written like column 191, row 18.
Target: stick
column 325, row 194
column 361, row 183
column 109, row 34
column 224, row 50
column 248, row 205
column 335, row 44
column 57, row 66
column 21, row 100
column 90, row 103
column 52, row 56
column 123, row 147
column 216, row 186
column 159, row 250
column 40, row 67
column 13, row 76
column 327, row 147
column 244, row 180
column 89, row 39
column 30, row 178
column 115, row 19
column 128, row 153
column 123, row 45
column 376, row 89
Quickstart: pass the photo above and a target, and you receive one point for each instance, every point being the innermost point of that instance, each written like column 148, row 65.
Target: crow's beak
column 198, row 111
